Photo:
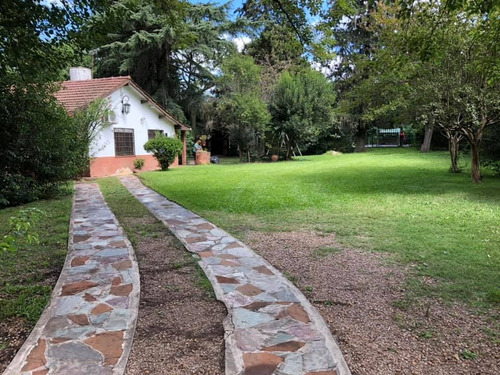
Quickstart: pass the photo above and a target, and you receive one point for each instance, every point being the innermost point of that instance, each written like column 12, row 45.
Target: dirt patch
column 15, row 330
column 360, row 294
column 13, row 333
column 179, row 330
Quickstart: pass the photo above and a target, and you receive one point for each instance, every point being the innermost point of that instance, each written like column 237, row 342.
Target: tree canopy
column 171, row 54
column 32, row 33
column 39, row 142
column 301, row 106
column 241, row 110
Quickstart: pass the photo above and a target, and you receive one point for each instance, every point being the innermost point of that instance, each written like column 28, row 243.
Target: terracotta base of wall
column 112, row 165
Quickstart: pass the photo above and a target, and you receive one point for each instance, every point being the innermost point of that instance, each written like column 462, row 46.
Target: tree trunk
column 429, row 129
column 288, row 150
column 241, row 154
column 453, row 143
column 248, row 155
column 360, row 140
column 193, row 119
column 474, row 154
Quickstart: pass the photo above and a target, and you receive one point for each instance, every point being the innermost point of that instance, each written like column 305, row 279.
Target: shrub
column 39, row 144
column 138, row 164
column 21, row 228
column 164, row 149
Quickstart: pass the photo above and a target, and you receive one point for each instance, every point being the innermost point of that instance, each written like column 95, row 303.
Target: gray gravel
column 356, row 291
column 179, row 330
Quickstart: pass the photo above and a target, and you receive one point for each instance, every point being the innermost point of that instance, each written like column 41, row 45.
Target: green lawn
column 396, row 200
column 28, row 275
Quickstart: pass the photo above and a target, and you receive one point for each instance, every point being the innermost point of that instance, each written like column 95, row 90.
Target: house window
column 152, row 133
column 124, row 142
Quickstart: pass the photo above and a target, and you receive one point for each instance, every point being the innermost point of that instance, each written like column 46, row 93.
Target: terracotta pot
column 202, row 157
column 274, row 157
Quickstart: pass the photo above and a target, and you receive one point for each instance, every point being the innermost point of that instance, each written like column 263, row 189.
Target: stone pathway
column 271, row 327
column 89, row 325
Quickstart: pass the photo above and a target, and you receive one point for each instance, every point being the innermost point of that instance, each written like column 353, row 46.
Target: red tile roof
column 76, row 94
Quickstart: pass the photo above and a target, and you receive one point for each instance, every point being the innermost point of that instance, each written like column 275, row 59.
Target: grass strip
column 28, row 275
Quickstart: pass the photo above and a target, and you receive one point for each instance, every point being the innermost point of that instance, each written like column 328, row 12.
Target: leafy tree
column 33, row 31
column 449, row 79
column 349, row 23
column 37, row 139
column 241, row 110
column 484, row 8
column 90, row 121
column 460, row 60
column 37, row 144
column 164, row 149
column 170, row 52
column 276, row 49
column 288, row 13
column 302, row 105
column 247, row 117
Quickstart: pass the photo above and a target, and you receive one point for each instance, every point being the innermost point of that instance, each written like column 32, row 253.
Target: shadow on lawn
column 383, row 180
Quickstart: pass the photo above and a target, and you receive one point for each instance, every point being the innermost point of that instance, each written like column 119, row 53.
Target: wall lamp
column 125, row 105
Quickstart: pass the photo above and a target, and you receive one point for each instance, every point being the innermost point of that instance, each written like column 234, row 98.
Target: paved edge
column 31, row 342
column 234, row 363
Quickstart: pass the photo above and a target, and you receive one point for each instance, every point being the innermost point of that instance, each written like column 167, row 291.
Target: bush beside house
column 164, row 149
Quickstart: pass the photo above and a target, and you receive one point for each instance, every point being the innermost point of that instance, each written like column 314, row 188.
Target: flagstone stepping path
column 271, row 328
column 89, row 325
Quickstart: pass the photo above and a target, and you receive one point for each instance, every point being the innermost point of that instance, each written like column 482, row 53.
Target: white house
column 135, row 118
